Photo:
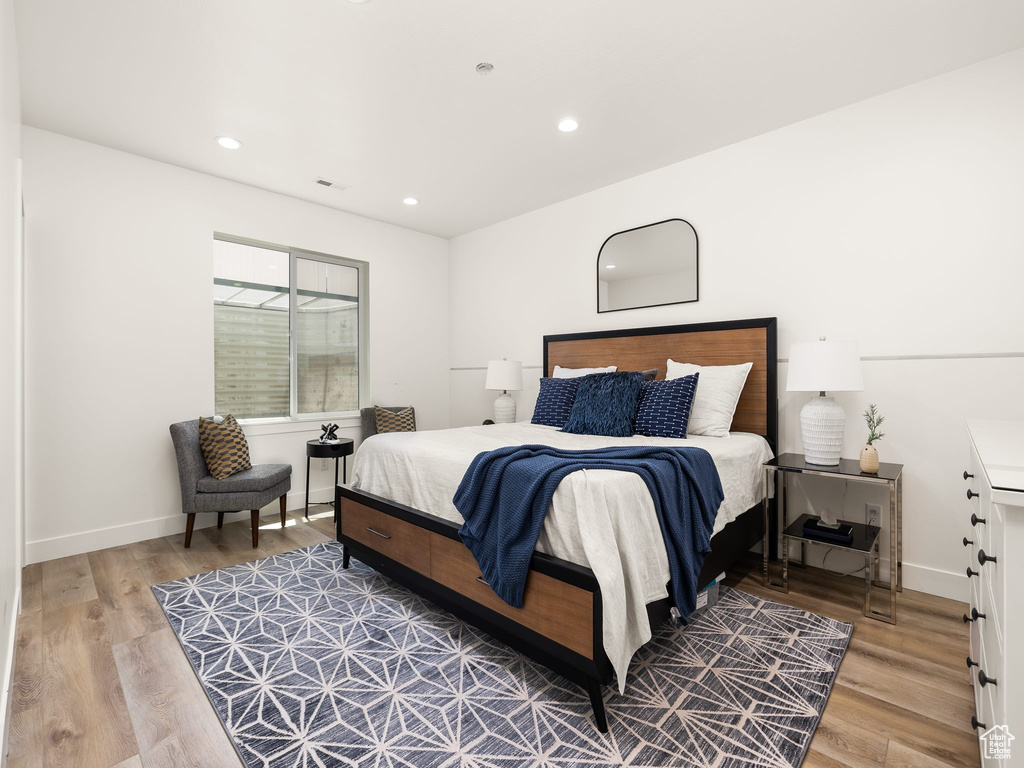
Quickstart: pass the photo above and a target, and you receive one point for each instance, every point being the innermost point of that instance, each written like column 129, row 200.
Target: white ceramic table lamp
column 504, row 375
column 823, row 366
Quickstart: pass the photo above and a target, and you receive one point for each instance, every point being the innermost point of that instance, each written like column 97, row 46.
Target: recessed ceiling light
column 228, row 142
column 411, row 201
column 609, row 266
column 568, row 125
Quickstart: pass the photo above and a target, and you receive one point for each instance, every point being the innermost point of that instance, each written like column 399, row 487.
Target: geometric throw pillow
column 395, row 421
column 664, row 407
column 554, row 401
column 224, row 448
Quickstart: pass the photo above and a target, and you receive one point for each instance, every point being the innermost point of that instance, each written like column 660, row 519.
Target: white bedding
column 601, row 519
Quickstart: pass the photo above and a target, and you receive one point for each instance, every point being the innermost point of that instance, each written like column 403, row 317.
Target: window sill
column 258, row 427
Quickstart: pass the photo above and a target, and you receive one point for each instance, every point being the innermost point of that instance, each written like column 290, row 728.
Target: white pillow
column 574, row 373
column 718, row 392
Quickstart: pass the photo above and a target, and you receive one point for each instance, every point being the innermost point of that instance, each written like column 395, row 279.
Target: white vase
column 822, row 422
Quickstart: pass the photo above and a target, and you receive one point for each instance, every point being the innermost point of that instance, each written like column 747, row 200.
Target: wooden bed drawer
column 552, row 608
column 402, row 542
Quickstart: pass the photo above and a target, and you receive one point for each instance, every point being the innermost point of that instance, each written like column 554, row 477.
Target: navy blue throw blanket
column 505, row 494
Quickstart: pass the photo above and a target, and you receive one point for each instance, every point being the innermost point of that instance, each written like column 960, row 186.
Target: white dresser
column 994, row 490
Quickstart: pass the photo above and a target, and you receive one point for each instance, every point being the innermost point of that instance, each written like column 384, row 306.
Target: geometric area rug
column 309, row 665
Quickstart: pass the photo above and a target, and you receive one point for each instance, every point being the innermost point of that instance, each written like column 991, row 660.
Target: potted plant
column 869, row 455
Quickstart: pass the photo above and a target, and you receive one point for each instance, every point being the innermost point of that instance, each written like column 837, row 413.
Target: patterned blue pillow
column 605, row 404
column 664, row 407
column 554, row 401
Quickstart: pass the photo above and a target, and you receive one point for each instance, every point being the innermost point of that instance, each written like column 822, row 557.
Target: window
column 273, row 306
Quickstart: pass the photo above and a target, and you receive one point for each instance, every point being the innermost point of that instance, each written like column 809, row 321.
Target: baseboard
column 936, row 582
column 79, row 543
column 8, row 692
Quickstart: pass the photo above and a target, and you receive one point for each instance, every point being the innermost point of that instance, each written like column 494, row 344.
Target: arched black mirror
column 648, row 266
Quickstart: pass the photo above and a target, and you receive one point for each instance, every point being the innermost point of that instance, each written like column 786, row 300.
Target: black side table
column 317, row 450
column 865, row 538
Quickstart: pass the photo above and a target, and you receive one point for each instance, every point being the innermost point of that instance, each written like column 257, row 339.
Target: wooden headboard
column 724, row 343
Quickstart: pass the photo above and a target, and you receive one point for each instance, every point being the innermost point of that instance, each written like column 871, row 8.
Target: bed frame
column 560, row 623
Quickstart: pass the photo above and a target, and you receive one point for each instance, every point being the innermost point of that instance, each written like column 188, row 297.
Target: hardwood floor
column 101, row 682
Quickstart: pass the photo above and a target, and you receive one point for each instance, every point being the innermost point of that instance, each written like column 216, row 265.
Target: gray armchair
column 250, row 489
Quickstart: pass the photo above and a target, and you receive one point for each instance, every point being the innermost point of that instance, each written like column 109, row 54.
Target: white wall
column 119, row 332
column 894, row 221
column 11, row 535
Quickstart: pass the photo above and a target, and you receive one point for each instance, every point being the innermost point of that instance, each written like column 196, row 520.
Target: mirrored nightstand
column 866, row 540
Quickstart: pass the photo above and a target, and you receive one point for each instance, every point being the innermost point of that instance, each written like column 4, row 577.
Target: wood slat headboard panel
column 724, row 343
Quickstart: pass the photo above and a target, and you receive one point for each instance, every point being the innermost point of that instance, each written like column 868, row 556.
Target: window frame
column 363, row 336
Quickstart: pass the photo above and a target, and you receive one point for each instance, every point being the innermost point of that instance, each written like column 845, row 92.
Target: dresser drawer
column 403, row 542
column 552, row 608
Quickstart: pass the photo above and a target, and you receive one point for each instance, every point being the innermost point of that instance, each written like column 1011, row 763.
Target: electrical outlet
column 873, row 514
column 323, row 465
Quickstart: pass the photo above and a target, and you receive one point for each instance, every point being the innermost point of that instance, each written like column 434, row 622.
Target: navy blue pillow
column 664, row 407
column 605, row 404
column 554, row 401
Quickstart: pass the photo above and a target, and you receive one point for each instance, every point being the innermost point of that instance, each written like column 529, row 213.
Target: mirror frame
column 696, row 258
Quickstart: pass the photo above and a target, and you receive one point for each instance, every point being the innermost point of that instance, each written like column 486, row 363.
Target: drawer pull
column 378, row 533
column 483, row 581
column 971, row 494
column 983, row 558
column 971, row 662
column 985, row 679
column 967, row 475
column 976, row 725
column 975, row 519
column 972, row 573
column 967, row 542
column 974, row 616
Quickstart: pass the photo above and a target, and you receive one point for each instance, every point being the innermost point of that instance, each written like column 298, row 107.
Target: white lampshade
column 504, row 375
column 824, row 366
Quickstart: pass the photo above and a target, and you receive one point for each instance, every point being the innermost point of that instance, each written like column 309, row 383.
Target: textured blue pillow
column 605, row 404
column 664, row 407
column 554, row 401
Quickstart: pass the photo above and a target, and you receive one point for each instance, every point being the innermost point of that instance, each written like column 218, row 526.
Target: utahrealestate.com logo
column 995, row 743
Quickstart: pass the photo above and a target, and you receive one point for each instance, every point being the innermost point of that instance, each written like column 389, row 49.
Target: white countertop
column 1000, row 446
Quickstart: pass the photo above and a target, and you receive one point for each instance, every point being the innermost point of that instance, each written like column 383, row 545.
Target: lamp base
column 504, row 409
column 822, row 422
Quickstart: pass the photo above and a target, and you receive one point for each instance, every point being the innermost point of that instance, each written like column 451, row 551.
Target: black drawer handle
column 976, row 725
column 975, row 519
column 483, row 581
column 985, row 679
column 967, row 542
column 973, row 617
column 983, row 558
column 971, row 494
column 967, row 474
column 971, row 662
column 378, row 533
column 972, row 573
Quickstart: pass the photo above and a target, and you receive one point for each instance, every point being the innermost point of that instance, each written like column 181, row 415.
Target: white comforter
column 602, row 519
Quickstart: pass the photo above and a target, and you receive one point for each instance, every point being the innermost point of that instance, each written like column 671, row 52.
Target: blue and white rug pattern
column 309, row 665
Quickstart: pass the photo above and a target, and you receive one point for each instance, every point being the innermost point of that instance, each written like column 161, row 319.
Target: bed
column 598, row 579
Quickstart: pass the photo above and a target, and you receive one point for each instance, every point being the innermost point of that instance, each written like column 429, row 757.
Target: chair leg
column 189, row 524
column 284, row 511
column 220, row 519
column 255, row 528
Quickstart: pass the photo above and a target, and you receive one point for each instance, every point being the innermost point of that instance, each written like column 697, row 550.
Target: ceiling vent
column 331, row 184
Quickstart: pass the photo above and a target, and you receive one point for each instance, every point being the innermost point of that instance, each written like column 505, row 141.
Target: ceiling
column 384, row 96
